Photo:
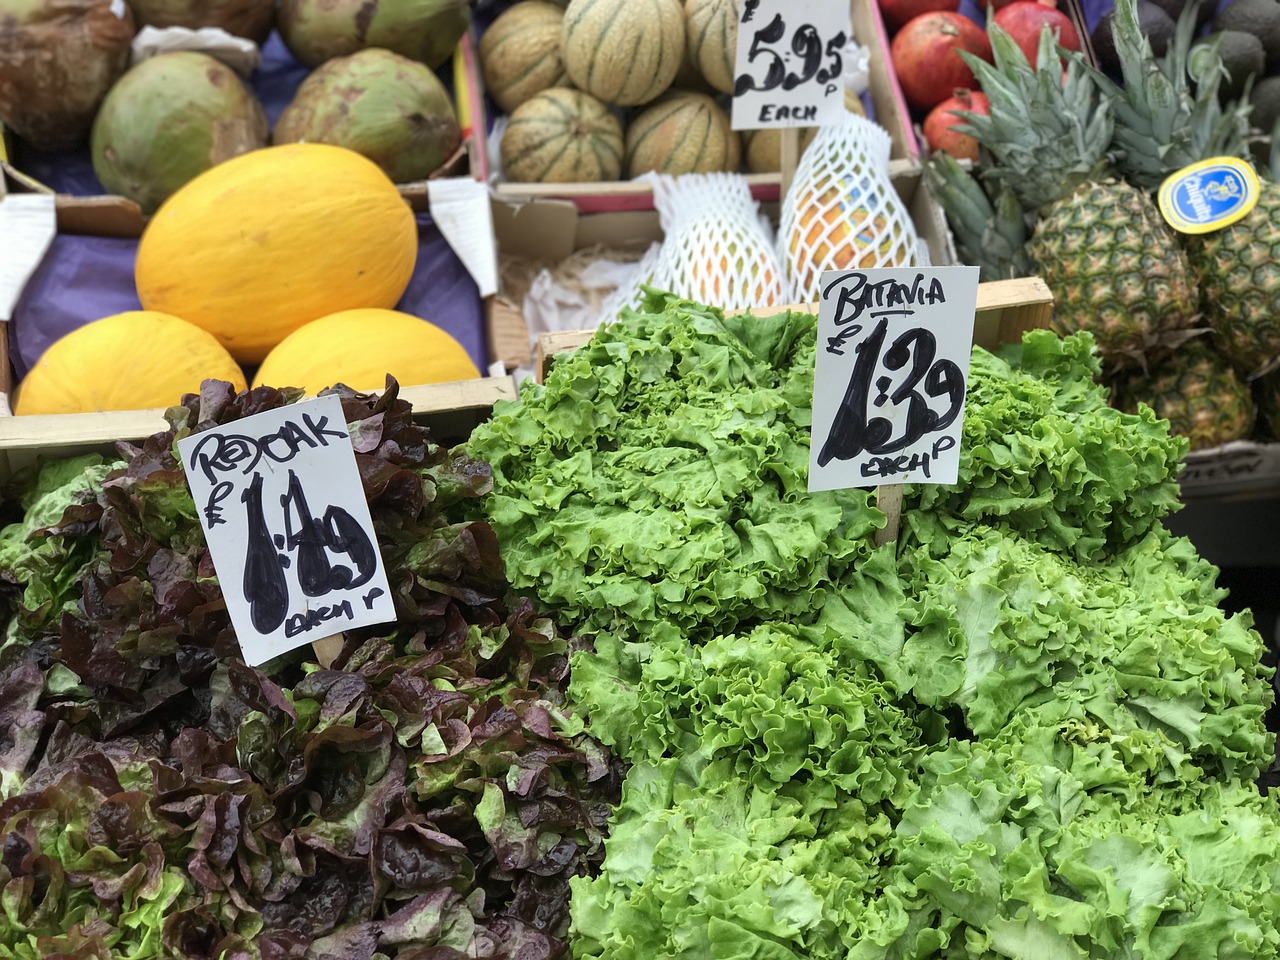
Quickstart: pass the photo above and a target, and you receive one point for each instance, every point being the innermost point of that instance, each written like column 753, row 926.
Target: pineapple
column 1239, row 271
column 1160, row 127
column 1198, row 392
column 990, row 232
column 1115, row 268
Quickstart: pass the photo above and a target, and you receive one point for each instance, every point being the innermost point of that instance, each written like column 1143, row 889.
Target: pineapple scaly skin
column 1239, row 272
column 1115, row 269
column 1198, row 392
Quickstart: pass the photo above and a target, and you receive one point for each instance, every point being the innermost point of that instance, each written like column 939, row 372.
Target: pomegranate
column 896, row 13
column 1001, row 4
column 925, row 57
column 942, row 118
column 1024, row 19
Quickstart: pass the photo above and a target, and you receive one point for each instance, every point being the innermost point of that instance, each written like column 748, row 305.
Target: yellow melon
column 711, row 27
column 520, row 53
column 359, row 348
column 682, row 133
column 624, row 52
column 138, row 360
column 259, row 245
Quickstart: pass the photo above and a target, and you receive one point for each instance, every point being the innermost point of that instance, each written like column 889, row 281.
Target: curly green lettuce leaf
column 701, row 863
column 1043, row 453
column 660, row 475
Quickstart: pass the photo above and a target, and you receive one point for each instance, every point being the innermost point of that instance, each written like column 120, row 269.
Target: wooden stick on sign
column 889, row 502
column 790, row 158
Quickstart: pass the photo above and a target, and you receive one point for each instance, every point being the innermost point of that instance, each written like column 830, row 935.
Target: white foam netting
column 716, row 248
column 842, row 211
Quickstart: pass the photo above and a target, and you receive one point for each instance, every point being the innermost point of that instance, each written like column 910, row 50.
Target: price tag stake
column 790, row 63
column 283, row 511
column 889, row 384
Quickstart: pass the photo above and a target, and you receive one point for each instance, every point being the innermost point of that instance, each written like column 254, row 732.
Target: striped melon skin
column 625, row 52
column 711, row 27
column 520, row 53
column 683, row 133
column 562, row 136
column 764, row 148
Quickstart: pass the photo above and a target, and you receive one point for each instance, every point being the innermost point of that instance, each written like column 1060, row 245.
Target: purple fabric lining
column 85, row 278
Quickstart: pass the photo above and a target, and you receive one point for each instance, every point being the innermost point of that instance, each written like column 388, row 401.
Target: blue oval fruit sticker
column 1208, row 195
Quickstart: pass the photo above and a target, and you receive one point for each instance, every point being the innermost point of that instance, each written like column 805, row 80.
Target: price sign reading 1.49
column 790, row 63
column 288, row 527
column 889, row 385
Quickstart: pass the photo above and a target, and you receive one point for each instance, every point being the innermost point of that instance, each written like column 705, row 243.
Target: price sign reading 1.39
column 288, row 526
column 889, row 386
column 790, row 63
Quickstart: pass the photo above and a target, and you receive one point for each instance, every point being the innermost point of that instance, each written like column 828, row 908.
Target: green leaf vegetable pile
column 1027, row 730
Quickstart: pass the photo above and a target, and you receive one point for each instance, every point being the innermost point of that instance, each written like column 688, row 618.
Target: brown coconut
column 251, row 19
column 386, row 107
column 58, row 59
column 169, row 119
column 422, row 30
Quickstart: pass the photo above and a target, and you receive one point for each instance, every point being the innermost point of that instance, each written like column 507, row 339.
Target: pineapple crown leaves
column 991, row 234
column 1045, row 133
column 1160, row 126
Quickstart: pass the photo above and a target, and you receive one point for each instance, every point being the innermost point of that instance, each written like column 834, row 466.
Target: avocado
column 1266, row 104
column 1241, row 54
column 1152, row 20
column 1258, row 17
column 1173, row 8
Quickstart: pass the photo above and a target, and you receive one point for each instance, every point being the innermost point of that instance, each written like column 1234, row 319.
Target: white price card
column 288, row 526
column 789, row 70
column 889, row 383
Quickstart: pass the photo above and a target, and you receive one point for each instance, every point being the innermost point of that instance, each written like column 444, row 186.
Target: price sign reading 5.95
column 889, row 386
column 284, row 514
column 790, row 63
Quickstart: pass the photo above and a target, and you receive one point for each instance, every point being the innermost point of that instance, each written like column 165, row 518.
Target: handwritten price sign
column 889, row 385
column 288, row 527
column 790, row 63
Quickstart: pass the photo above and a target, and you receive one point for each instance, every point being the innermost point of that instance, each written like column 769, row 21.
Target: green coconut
column 422, row 30
column 169, row 119
column 389, row 108
column 58, row 59
column 252, row 19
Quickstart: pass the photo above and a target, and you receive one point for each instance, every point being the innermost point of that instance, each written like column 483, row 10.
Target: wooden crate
column 449, row 410
column 886, row 99
column 1006, row 309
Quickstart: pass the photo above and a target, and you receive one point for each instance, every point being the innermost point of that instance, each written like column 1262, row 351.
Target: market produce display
column 427, row 796
column 252, row 19
column 423, row 30
column 682, row 133
column 520, row 53
column 1026, row 730
column 1063, row 189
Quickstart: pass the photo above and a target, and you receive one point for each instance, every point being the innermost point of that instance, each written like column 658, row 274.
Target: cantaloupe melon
column 256, row 247
column 138, row 360
column 711, row 27
column 520, row 53
column 682, row 133
column 359, row 348
column 624, row 52
column 562, row 136
column 764, row 148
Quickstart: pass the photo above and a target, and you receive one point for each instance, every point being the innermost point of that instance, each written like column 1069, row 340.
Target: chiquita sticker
column 1209, row 195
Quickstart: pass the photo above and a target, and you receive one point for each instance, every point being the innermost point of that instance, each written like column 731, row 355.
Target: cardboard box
column 888, row 106
column 449, row 410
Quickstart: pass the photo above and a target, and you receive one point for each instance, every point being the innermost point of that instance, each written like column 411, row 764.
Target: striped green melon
column 682, row 133
column 562, row 136
column 712, row 30
column 520, row 53
column 625, row 52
